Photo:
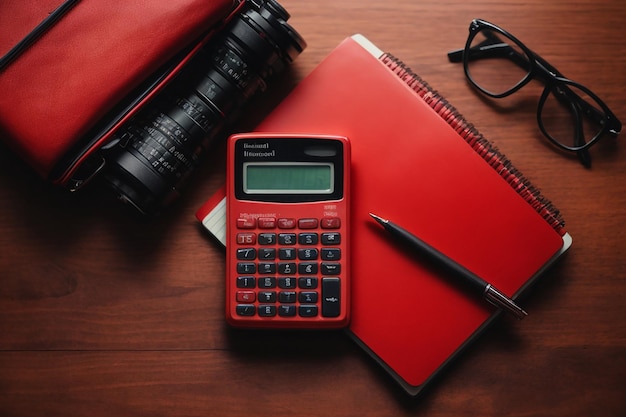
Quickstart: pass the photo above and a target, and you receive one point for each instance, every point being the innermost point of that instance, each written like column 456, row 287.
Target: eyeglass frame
column 539, row 68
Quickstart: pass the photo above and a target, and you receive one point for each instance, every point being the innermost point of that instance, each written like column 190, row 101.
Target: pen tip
column 378, row 218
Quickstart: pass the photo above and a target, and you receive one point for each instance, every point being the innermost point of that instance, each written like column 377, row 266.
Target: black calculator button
column 331, row 297
column 267, row 238
column 267, row 297
column 306, row 310
column 246, row 268
column 267, row 268
column 286, row 254
column 287, row 239
column 287, row 296
column 287, row 310
column 308, row 297
column 267, row 282
column 329, row 268
column 331, row 238
column 307, row 254
column 287, row 283
column 246, row 254
column 245, row 310
column 307, row 283
column 330, row 254
column 246, row 282
column 267, row 310
column 265, row 253
column 286, row 268
column 307, row 268
column 308, row 238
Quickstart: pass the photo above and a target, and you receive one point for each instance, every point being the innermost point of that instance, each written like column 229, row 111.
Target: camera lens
column 157, row 150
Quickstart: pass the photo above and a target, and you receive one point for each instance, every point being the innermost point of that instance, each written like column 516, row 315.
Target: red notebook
column 417, row 162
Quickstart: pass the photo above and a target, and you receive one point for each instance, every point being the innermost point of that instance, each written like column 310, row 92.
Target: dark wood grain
column 103, row 313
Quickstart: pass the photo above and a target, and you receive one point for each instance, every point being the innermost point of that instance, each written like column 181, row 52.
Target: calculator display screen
column 288, row 178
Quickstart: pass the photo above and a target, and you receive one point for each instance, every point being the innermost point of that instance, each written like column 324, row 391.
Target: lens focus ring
column 160, row 146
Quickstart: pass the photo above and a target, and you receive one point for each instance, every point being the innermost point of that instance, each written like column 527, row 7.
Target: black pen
column 488, row 291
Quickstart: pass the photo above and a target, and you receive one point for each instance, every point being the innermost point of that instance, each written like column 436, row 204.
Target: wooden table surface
column 103, row 313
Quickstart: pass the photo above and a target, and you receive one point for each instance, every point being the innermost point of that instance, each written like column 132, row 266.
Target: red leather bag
column 59, row 80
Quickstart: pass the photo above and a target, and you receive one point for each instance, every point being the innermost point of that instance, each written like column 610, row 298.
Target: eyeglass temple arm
column 456, row 55
column 492, row 47
column 583, row 154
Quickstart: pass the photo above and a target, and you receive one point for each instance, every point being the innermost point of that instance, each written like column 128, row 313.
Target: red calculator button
column 266, row 222
column 246, row 238
column 307, row 223
column 249, row 223
column 286, row 223
column 246, row 296
column 331, row 223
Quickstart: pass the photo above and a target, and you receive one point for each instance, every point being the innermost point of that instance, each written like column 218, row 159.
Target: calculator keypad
column 288, row 267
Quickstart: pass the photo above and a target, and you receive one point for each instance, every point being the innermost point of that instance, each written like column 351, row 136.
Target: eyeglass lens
column 569, row 116
column 496, row 63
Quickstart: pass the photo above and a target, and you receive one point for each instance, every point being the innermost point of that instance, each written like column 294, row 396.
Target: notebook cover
column 410, row 165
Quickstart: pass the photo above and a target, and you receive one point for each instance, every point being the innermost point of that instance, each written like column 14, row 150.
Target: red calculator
column 287, row 238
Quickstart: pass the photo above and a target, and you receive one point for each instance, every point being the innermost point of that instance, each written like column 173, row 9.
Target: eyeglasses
column 569, row 114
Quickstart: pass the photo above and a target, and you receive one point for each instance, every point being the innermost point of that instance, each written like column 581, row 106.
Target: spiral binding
column 489, row 152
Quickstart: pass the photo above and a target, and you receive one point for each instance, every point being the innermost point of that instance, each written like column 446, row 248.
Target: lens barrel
column 158, row 149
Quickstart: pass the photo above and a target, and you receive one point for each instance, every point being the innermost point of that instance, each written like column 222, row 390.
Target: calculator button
column 287, row 310
column 307, row 268
column 331, row 238
column 286, row 268
column 246, row 268
column 331, row 254
column 246, row 282
column 267, row 268
column 307, row 223
column 308, row 297
column 307, row 283
column 286, row 223
column 330, row 223
column 287, row 239
column 287, row 283
column 329, row 268
column 246, row 254
column 266, row 222
column 268, row 254
column 267, row 238
column 307, row 238
column 331, row 297
column 267, row 297
column 245, row 309
column 246, row 238
column 285, row 254
column 246, row 296
column 287, row 297
column 267, row 282
column 307, row 254
column 267, row 310
column 307, row 310
column 249, row 223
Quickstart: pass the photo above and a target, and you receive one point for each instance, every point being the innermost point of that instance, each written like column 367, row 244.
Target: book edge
column 416, row 390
